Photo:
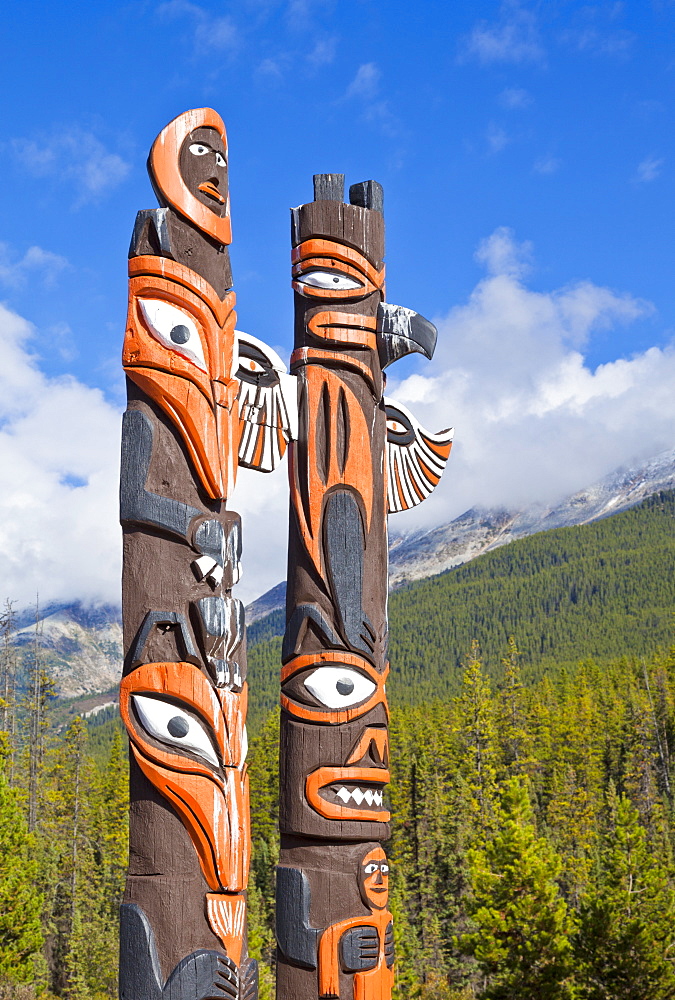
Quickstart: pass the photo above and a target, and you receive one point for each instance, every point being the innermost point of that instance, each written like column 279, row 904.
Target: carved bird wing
column 268, row 406
column 415, row 458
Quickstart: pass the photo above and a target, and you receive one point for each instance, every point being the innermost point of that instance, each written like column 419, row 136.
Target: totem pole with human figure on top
column 357, row 457
column 203, row 399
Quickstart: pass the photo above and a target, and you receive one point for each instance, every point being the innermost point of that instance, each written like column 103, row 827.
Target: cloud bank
column 533, row 423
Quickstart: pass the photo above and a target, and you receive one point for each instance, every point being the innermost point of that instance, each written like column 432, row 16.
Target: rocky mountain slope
column 82, row 647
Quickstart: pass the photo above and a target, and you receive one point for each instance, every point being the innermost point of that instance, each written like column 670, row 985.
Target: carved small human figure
column 360, row 947
column 364, row 947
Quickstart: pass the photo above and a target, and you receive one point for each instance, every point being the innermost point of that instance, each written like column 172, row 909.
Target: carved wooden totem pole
column 357, row 457
column 202, row 399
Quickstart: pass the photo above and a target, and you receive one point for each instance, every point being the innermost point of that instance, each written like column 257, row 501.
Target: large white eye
column 170, row 724
column 369, row 869
column 220, row 160
column 199, row 149
column 384, row 869
column 175, row 329
column 339, row 687
column 396, row 427
column 328, row 279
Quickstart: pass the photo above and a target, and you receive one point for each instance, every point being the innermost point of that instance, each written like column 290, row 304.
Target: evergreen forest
column 532, row 746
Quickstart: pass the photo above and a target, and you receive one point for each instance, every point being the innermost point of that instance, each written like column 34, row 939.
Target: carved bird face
column 189, row 740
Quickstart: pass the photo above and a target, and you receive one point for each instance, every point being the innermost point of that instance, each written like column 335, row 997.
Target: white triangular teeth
column 360, row 795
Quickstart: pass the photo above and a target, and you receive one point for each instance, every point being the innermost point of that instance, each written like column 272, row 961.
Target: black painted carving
column 360, row 948
column 301, row 614
column 163, row 619
column 403, row 331
column 389, row 945
column 329, row 187
column 367, row 194
column 296, row 938
column 138, row 505
column 203, row 975
column 343, row 545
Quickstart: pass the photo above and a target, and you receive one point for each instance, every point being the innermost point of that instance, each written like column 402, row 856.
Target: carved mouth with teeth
column 359, row 795
column 348, row 793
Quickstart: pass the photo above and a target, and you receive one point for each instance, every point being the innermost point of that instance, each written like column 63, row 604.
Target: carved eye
column 199, row 149
column 384, row 869
column 249, row 365
column 220, row 160
column 371, row 868
column 328, row 279
column 396, row 427
column 339, row 687
column 175, row 329
column 170, row 724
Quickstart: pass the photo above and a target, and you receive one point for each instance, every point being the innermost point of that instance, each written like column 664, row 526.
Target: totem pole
column 202, row 399
column 357, row 456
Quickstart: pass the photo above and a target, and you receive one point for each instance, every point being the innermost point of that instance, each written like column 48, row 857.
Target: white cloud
column 75, row 155
column 15, row 272
column 366, row 82
column 515, row 98
column 649, row 169
column 513, row 38
column 55, row 538
column 547, row 165
column 210, row 32
column 323, row 52
column 533, row 421
column 59, row 483
column 497, row 138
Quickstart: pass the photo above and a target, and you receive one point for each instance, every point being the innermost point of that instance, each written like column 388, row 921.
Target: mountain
column 83, row 646
column 80, row 646
column 601, row 590
column 420, row 554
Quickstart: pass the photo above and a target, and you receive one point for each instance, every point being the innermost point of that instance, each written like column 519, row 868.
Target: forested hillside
column 532, row 793
column 600, row 590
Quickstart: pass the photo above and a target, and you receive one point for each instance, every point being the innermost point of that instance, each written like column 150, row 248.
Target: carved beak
column 402, row 331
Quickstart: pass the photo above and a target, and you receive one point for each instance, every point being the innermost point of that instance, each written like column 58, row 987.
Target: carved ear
column 329, row 187
column 367, row 194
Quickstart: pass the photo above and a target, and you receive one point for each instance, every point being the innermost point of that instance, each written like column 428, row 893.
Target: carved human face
column 203, row 167
column 375, row 879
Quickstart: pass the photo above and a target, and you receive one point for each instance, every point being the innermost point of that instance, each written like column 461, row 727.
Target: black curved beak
column 402, row 331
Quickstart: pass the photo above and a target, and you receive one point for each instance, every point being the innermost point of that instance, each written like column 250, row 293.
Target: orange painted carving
column 208, row 788
column 344, row 328
column 313, row 355
column 371, row 735
column 335, row 657
column 191, row 381
column 227, row 918
column 323, row 777
column 164, row 168
column 328, row 463
column 336, row 257
column 374, row 984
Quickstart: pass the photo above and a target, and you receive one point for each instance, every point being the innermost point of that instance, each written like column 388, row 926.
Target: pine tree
column 521, row 942
column 626, row 940
column 20, row 904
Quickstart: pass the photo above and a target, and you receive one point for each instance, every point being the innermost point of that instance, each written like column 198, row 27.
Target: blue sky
column 531, row 141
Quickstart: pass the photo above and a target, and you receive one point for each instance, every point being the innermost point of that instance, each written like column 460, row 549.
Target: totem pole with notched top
column 357, row 457
column 202, row 399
